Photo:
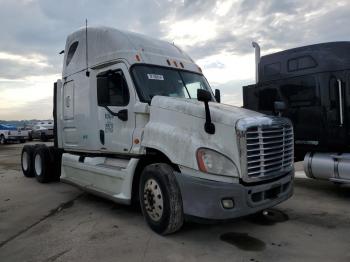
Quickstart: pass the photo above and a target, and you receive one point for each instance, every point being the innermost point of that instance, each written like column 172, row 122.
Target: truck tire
column 2, row 140
column 160, row 199
column 27, row 160
column 56, row 158
column 42, row 164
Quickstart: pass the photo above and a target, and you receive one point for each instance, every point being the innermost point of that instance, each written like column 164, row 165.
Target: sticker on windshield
column 155, row 77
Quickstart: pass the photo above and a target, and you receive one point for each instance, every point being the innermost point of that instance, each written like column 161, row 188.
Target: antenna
column 86, row 49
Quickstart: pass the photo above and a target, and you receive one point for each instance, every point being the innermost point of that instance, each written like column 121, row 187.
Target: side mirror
column 102, row 91
column 217, row 95
column 279, row 107
column 203, row 95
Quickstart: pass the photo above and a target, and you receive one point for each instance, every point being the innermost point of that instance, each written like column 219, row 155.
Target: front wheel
column 160, row 199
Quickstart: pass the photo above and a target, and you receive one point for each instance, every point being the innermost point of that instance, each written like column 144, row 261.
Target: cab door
column 116, row 97
column 302, row 97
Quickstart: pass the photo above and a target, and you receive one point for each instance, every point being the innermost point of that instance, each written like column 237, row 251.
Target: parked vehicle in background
column 23, row 132
column 11, row 133
column 310, row 85
column 29, row 130
column 42, row 130
column 138, row 121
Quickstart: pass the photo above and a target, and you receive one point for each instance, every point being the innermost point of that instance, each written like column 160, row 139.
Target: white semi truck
column 136, row 121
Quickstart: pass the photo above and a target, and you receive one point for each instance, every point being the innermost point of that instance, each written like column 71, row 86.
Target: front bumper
column 202, row 198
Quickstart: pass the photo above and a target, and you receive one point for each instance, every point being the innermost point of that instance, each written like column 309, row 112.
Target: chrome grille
column 266, row 147
column 269, row 149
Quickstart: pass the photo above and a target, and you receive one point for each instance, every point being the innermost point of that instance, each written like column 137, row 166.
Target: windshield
column 151, row 81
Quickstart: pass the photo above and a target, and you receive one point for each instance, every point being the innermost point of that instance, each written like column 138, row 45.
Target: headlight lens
column 210, row 161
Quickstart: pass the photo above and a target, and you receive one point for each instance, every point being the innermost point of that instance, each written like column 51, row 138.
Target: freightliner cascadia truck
column 135, row 120
column 310, row 85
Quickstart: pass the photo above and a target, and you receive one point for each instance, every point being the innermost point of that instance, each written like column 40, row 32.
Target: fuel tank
column 328, row 166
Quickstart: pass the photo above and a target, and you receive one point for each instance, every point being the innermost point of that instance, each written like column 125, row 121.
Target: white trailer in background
column 136, row 120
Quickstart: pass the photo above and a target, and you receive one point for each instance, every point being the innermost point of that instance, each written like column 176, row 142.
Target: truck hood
column 220, row 113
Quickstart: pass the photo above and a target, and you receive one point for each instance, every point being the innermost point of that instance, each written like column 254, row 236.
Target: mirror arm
column 209, row 127
column 122, row 114
column 110, row 111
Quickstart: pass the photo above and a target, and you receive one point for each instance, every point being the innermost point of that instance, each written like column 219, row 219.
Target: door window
column 112, row 89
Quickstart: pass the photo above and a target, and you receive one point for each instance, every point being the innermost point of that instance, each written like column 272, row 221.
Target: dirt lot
column 57, row 222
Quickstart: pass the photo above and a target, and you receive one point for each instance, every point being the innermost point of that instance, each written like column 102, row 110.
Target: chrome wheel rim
column 153, row 199
column 38, row 167
column 25, row 161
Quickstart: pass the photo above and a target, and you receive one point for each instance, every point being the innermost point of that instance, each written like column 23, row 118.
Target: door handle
column 340, row 103
column 102, row 137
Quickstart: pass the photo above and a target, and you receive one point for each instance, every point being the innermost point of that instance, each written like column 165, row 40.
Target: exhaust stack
column 257, row 60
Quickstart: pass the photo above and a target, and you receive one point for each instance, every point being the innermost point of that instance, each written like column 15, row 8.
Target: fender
column 180, row 142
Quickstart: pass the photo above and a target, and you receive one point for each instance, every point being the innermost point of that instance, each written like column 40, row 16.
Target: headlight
column 210, row 161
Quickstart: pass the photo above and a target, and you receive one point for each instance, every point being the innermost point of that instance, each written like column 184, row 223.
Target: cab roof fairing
column 106, row 44
column 331, row 56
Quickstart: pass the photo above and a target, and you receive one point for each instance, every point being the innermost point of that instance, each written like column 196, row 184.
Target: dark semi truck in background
column 310, row 86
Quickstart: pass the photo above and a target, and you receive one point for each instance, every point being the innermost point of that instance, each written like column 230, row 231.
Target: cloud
column 216, row 33
column 27, row 98
column 38, row 109
column 15, row 66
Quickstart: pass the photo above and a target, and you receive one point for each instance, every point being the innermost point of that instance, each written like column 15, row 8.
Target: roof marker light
column 168, row 62
column 138, row 58
column 175, row 63
column 181, row 64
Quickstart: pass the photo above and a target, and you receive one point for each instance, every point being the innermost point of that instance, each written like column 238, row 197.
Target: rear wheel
column 27, row 161
column 160, row 199
column 42, row 164
column 56, row 159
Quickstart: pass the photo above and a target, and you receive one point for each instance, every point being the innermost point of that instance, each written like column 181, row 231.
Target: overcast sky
column 217, row 34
